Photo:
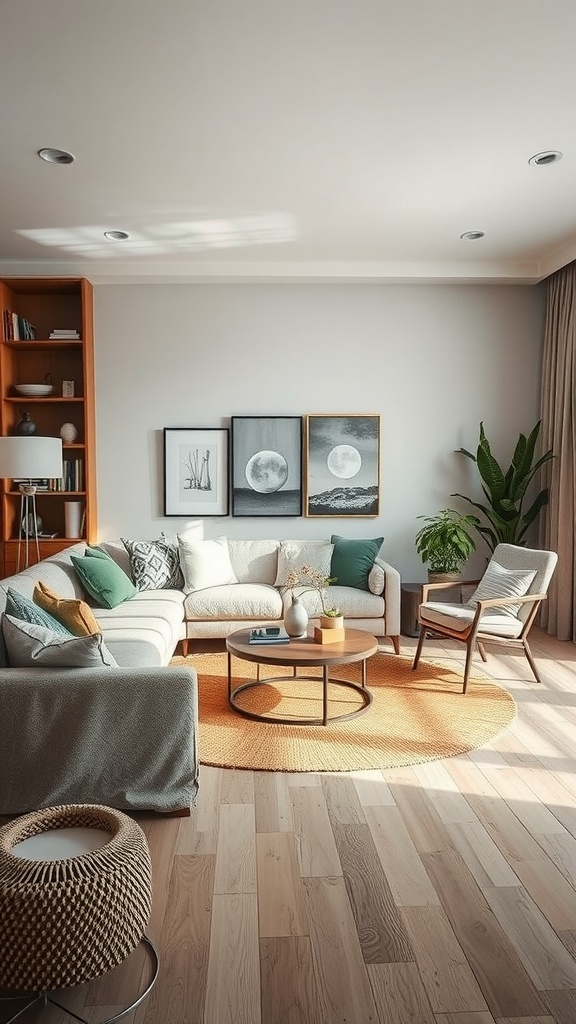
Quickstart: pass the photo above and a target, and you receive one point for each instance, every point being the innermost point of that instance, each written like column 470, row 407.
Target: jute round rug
column 414, row 717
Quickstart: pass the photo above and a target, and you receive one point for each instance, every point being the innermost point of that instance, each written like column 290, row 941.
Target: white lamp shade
column 30, row 457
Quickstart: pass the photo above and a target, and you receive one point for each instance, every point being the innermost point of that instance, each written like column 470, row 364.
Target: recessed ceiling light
column 117, row 236
column 471, row 236
column 549, row 156
column 55, row 156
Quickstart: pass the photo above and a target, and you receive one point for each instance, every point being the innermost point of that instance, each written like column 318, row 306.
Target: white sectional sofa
column 124, row 733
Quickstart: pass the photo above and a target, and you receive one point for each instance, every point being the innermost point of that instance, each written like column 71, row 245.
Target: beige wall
column 433, row 360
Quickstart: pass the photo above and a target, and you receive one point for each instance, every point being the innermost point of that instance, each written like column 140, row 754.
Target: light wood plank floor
column 443, row 893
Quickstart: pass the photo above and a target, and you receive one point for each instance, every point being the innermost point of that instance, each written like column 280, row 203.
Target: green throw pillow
column 352, row 561
column 104, row 580
column 95, row 552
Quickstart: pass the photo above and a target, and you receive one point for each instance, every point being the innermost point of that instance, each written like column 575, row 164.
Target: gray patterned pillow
column 29, row 645
column 22, row 608
column 154, row 564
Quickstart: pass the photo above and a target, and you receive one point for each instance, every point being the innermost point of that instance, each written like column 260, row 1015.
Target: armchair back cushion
column 541, row 563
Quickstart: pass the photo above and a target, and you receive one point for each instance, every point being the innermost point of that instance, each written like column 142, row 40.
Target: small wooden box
column 328, row 636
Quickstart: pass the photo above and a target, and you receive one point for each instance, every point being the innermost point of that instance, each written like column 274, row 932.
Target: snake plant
column 505, row 491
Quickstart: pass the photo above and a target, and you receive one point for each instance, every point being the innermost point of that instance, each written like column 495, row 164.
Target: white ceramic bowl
column 34, row 390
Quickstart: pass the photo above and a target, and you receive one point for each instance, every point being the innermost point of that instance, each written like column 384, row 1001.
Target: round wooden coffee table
column 303, row 653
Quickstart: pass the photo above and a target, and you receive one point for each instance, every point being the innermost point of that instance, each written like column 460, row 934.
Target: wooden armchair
column 501, row 610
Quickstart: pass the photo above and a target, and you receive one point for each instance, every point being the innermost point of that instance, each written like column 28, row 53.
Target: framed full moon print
column 342, row 465
column 266, row 465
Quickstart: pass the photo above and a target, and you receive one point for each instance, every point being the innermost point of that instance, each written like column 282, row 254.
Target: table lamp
column 25, row 460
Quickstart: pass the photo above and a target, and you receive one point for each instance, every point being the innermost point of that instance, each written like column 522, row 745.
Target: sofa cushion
column 500, row 582
column 241, row 601
column 205, row 563
column 20, row 607
column 352, row 560
column 254, row 561
column 353, row 603
column 154, row 564
column 294, row 554
column 29, row 645
column 75, row 615
column 104, row 580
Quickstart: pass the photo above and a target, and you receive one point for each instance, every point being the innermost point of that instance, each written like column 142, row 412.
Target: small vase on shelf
column 296, row 618
column 26, row 427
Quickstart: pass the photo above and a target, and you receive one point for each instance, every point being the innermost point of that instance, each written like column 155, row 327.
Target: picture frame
column 266, row 466
column 342, row 465
column 196, row 470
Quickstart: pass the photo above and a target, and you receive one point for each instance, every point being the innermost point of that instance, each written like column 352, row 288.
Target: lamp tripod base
column 28, row 515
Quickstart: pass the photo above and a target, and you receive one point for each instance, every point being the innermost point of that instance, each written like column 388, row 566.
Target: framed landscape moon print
column 266, row 466
column 196, row 471
column 342, row 465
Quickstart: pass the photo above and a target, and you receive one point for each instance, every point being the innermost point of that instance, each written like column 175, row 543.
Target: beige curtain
column 558, row 410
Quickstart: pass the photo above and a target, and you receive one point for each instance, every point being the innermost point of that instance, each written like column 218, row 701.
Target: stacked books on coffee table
column 269, row 635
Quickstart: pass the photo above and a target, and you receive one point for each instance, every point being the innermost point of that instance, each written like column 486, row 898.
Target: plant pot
column 331, row 622
column 444, row 577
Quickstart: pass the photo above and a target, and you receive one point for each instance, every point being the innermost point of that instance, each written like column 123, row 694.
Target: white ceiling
column 288, row 139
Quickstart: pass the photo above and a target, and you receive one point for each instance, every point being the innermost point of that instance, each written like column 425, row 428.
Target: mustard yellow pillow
column 76, row 615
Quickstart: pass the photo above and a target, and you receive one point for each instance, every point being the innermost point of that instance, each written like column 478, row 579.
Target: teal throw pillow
column 352, row 561
column 104, row 580
column 20, row 607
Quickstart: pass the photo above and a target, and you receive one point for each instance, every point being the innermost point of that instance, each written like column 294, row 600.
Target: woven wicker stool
column 66, row 921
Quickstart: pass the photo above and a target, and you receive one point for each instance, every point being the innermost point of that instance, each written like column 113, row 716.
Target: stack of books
column 269, row 635
column 61, row 334
column 17, row 328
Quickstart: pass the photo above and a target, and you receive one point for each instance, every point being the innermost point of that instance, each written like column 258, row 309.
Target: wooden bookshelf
column 48, row 304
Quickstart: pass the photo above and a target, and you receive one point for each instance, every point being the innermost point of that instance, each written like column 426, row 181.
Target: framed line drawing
column 196, row 471
column 342, row 465
column 266, row 465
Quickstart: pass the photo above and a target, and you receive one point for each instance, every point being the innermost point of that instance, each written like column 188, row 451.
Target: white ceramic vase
column 68, row 433
column 296, row 618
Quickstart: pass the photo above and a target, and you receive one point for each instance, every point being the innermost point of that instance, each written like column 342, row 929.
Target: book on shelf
column 48, row 536
column 17, row 328
column 64, row 335
column 72, row 478
column 269, row 635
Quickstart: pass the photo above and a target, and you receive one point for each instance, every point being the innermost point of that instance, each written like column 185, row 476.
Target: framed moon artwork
column 266, row 465
column 342, row 465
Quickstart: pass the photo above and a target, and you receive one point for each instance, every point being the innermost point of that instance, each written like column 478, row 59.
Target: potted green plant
column 444, row 542
column 505, row 491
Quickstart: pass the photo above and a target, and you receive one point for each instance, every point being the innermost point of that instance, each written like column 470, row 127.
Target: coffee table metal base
column 325, row 679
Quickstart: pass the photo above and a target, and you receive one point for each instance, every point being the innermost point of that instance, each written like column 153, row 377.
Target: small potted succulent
column 445, row 544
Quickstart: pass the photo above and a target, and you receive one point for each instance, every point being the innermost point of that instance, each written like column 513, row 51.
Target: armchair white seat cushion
column 461, row 617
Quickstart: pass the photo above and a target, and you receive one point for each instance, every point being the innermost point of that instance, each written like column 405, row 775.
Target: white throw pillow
column 205, row 563
column 376, row 579
column 500, row 582
column 293, row 554
column 29, row 645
